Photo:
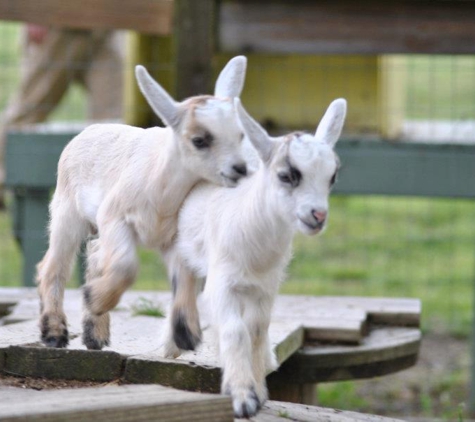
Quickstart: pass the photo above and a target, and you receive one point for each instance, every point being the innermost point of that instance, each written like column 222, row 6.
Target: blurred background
column 375, row 245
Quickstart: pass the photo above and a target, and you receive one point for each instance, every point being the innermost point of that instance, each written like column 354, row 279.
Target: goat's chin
column 229, row 182
column 307, row 230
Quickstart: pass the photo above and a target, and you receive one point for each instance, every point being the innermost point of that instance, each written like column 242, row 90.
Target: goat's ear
column 329, row 129
column 231, row 79
column 162, row 104
column 255, row 132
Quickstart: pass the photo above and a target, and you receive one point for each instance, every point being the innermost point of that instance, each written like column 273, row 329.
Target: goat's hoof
column 184, row 336
column 58, row 342
column 245, row 402
column 54, row 332
column 170, row 350
column 262, row 393
column 91, row 338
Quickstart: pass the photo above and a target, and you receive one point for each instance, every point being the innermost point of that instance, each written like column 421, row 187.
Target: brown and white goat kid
column 126, row 185
column 240, row 240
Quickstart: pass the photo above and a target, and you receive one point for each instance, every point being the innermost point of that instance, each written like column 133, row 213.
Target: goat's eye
column 201, row 142
column 295, row 176
column 285, row 178
column 292, row 177
column 333, row 179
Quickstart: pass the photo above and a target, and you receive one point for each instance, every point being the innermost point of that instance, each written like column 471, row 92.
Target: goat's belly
column 88, row 202
column 158, row 233
column 194, row 253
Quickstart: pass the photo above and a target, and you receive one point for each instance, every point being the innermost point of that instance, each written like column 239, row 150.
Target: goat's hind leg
column 67, row 230
column 183, row 331
column 96, row 328
column 113, row 267
column 185, row 318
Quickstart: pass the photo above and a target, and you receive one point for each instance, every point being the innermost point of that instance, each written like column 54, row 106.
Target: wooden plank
column 134, row 336
column 118, row 404
column 147, row 16
column 10, row 296
column 276, row 411
column 391, row 311
column 304, row 393
column 200, row 370
column 345, row 26
column 82, row 365
column 321, row 321
column 194, row 46
column 384, row 350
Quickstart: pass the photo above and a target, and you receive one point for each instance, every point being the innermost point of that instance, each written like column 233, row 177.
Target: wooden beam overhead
column 146, row 16
column 348, row 26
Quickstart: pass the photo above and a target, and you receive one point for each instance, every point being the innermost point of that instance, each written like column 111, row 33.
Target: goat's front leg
column 235, row 351
column 257, row 315
column 112, row 268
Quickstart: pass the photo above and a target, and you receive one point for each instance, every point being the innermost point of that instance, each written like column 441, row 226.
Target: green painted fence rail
column 369, row 167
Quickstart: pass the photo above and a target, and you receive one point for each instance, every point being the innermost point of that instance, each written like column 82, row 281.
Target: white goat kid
column 127, row 184
column 240, row 241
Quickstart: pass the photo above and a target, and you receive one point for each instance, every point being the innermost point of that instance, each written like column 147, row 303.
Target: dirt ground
column 436, row 387
column 45, row 384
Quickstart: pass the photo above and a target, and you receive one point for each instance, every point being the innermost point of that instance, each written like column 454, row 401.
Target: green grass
column 144, row 306
column 283, row 414
column 440, row 87
column 374, row 246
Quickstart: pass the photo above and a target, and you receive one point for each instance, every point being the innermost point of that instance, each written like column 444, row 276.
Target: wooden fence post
column 194, row 36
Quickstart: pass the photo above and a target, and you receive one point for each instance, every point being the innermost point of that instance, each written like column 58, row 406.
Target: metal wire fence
column 375, row 246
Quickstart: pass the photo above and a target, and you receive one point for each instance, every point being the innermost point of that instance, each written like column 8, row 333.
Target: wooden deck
column 145, row 403
column 316, row 339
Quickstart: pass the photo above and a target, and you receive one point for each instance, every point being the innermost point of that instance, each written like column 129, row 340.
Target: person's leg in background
column 48, row 70
column 103, row 79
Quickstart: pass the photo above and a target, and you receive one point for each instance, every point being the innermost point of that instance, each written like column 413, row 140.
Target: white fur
column 240, row 241
column 127, row 184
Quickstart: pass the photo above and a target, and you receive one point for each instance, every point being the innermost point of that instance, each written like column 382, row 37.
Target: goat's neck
column 271, row 219
column 170, row 181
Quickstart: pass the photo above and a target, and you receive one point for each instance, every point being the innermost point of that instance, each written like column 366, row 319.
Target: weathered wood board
column 147, row 16
column 116, row 404
column 368, row 27
column 347, row 26
column 144, row 403
column 275, row 411
column 383, row 351
column 136, row 351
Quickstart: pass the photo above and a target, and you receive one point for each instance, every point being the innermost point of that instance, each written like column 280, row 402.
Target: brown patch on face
column 191, row 127
column 199, row 100
column 293, row 135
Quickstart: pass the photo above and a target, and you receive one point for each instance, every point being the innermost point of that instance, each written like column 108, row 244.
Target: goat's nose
column 320, row 216
column 240, row 169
